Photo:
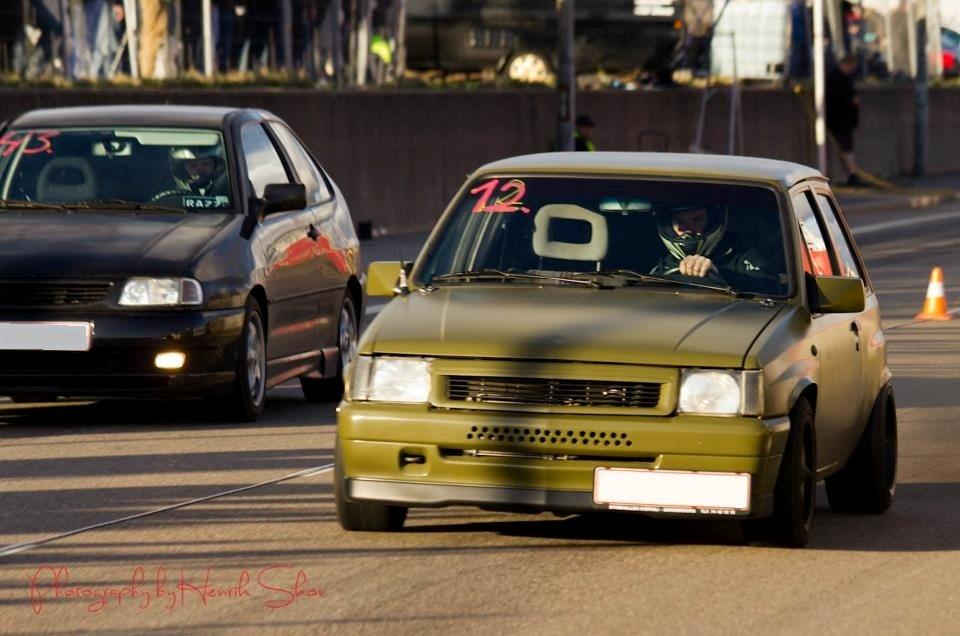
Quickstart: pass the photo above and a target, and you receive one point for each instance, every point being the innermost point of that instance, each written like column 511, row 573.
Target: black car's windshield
column 129, row 168
column 617, row 232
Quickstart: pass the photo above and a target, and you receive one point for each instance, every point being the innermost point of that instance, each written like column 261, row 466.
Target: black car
column 518, row 37
column 171, row 251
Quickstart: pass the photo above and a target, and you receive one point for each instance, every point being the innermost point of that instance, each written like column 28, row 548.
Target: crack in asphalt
column 30, row 545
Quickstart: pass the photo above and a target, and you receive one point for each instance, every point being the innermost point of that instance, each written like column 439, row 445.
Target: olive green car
column 548, row 351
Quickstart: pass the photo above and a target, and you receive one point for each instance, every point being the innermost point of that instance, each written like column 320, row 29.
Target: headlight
column 390, row 380
column 709, row 392
column 155, row 292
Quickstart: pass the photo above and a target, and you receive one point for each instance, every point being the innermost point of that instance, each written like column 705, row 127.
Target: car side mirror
column 383, row 277
column 282, row 197
column 835, row 295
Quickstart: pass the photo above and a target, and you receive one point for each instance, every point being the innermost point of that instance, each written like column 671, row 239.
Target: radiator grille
column 542, row 436
column 45, row 293
column 546, row 392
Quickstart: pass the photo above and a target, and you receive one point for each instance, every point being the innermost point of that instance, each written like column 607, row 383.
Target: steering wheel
column 712, row 278
column 168, row 194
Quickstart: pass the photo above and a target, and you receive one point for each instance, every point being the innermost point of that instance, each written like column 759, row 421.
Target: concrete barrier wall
column 400, row 156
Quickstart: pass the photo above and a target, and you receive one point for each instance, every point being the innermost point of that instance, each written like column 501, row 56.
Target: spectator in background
column 843, row 112
column 583, row 135
column 101, row 38
column 49, row 20
column 153, row 35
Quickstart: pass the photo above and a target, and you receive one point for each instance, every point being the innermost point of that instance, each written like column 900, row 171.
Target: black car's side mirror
column 835, row 295
column 282, row 197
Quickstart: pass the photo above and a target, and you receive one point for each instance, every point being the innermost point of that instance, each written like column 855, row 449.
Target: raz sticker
column 510, row 199
column 197, row 202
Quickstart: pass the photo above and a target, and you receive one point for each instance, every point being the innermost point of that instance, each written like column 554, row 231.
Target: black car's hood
column 41, row 244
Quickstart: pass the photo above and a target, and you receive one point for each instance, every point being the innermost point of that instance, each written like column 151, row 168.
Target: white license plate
column 45, row 336
column 672, row 491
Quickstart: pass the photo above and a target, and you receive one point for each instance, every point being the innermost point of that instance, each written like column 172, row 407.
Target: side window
column 263, row 162
column 306, row 169
column 819, row 254
column 845, row 258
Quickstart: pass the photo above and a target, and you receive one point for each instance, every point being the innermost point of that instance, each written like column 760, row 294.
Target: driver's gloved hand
column 697, row 266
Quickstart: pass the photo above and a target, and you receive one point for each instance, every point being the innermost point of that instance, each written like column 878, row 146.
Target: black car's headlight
column 161, row 292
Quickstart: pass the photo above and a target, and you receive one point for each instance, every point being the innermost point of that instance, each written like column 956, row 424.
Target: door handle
column 313, row 233
column 855, row 328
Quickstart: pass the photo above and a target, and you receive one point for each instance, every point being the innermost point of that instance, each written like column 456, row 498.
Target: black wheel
column 331, row 389
column 363, row 516
column 796, row 489
column 869, row 480
column 526, row 67
column 246, row 398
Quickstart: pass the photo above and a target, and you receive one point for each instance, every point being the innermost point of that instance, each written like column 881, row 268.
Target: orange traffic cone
column 935, row 307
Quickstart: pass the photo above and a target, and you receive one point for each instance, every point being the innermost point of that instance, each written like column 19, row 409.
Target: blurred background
column 628, row 44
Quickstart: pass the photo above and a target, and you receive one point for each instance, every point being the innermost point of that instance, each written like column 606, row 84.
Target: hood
column 40, row 244
column 628, row 325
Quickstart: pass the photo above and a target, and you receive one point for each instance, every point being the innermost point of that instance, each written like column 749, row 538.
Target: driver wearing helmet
column 697, row 245
column 198, row 170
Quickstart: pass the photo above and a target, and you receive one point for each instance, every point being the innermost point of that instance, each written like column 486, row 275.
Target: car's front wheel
column 247, row 395
column 796, row 488
column 868, row 482
column 331, row 389
column 363, row 516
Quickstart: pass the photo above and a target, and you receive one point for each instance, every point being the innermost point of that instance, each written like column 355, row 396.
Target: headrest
column 66, row 180
column 557, row 214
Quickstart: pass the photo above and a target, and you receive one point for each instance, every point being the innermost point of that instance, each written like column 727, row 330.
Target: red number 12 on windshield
column 511, row 199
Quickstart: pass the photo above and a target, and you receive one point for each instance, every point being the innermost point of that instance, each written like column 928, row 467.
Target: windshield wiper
column 123, row 204
column 8, row 204
column 637, row 277
column 496, row 274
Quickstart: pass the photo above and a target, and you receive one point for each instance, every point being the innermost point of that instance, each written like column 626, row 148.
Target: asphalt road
column 67, row 467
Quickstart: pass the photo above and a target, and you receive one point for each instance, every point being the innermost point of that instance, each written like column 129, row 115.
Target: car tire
column 363, row 516
column 331, row 389
column 868, row 482
column 526, row 67
column 246, row 398
column 796, row 489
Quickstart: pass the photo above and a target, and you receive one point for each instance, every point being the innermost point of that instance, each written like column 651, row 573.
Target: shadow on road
column 924, row 518
column 139, row 416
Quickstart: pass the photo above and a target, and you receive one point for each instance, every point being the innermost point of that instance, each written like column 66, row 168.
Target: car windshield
column 114, row 168
column 611, row 232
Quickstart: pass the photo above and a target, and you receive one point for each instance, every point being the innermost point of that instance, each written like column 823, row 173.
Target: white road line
column 910, row 221
column 30, row 545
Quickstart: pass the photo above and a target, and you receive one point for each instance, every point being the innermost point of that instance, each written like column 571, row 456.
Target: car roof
column 130, row 115
column 661, row 164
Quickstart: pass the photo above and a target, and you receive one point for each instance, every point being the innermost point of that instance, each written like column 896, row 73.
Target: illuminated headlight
column 711, row 392
column 390, row 380
column 157, row 292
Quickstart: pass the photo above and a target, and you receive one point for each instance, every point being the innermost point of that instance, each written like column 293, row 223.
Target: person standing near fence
column 843, row 112
column 154, row 15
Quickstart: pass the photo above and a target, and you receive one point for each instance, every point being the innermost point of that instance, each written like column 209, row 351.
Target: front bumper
column 426, row 457
column 120, row 361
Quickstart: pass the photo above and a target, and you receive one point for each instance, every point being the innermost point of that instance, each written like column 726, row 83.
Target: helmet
column 181, row 158
column 689, row 244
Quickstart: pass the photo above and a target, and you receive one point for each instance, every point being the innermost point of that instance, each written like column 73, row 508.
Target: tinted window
column 550, row 228
column 306, row 169
column 848, row 264
column 263, row 162
column 178, row 167
column 812, row 235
